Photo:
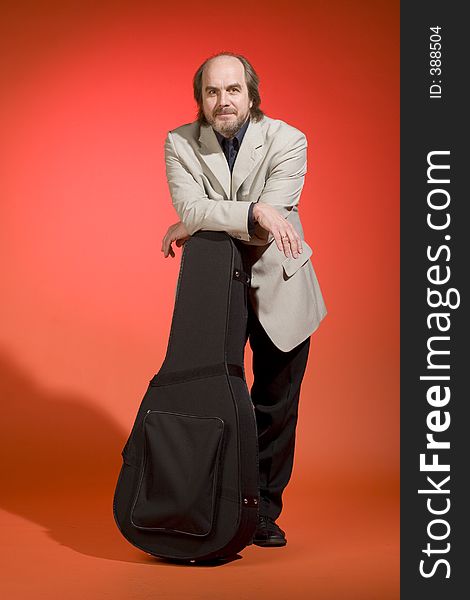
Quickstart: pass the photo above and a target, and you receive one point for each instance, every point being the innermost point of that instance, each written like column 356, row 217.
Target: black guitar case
column 188, row 488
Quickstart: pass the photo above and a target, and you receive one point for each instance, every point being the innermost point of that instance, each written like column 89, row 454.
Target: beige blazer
column 270, row 167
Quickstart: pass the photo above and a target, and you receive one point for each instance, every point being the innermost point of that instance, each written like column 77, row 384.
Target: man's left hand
column 175, row 233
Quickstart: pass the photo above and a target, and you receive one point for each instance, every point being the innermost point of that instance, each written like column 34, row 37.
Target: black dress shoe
column 267, row 533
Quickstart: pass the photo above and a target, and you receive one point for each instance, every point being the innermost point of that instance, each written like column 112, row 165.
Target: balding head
column 215, row 76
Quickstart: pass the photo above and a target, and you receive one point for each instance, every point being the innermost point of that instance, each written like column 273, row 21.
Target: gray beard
column 228, row 129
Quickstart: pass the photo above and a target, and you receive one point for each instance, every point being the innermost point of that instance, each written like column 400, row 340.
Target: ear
column 251, row 103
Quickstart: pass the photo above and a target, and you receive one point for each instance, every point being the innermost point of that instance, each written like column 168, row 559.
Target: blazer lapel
column 212, row 154
column 248, row 156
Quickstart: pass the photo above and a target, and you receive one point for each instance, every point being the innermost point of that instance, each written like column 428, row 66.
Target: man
column 239, row 171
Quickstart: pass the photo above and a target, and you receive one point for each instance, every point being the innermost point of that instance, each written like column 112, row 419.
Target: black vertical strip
column 432, row 124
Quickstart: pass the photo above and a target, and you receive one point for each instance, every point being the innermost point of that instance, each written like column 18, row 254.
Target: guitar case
column 188, row 487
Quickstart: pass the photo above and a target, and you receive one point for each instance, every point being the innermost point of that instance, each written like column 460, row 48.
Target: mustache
column 225, row 112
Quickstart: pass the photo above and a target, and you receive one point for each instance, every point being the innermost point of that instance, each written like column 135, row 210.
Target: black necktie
column 231, row 151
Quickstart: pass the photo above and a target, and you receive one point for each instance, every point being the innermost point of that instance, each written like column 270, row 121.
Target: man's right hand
column 286, row 237
column 175, row 233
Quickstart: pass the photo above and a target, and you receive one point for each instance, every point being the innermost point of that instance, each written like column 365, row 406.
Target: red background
column 89, row 91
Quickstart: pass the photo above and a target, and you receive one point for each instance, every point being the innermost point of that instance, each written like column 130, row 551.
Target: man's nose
column 223, row 100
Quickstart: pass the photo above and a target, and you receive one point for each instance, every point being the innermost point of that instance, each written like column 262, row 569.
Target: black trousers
column 275, row 395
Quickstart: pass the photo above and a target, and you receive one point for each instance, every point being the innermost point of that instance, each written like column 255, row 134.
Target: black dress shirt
column 231, row 146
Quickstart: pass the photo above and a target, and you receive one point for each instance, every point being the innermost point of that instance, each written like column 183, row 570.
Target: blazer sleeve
column 195, row 209
column 284, row 182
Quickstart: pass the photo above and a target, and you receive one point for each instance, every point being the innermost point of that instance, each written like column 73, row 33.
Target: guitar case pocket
column 178, row 481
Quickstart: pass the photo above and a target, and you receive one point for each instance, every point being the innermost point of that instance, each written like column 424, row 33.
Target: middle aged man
column 239, row 171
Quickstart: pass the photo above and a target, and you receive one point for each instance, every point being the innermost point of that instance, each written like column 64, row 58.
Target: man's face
column 225, row 100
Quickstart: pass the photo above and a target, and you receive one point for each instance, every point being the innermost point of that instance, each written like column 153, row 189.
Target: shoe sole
column 270, row 543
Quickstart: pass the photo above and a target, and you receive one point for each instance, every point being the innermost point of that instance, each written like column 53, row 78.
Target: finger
column 294, row 245
column 285, row 239
column 278, row 240
column 166, row 247
column 169, row 250
column 165, row 243
column 295, row 242
column 172, row 252
column 279, row 243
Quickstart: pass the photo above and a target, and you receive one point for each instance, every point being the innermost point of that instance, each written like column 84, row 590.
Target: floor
column 342, row 544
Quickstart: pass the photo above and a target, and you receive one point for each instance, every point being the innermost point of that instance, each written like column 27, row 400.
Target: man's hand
column 287, row 238
column 175, row 233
